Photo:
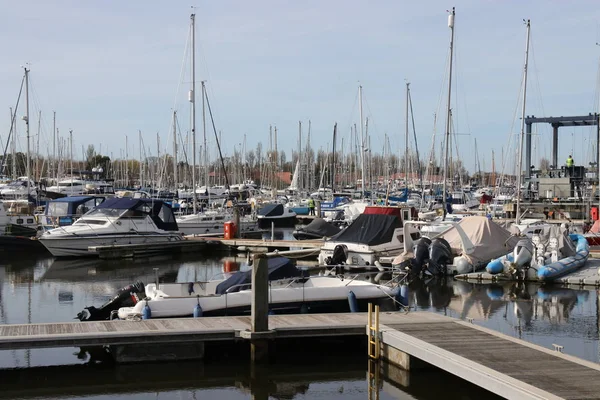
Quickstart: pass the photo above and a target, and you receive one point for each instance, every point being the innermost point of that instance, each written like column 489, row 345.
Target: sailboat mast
column 141, row 158
column 522, row 136
column 299, row 163
column 54, row 170
column 449, row 110
column 406, row 139
column 204, row 148
column 362, row 141
column 27, row 166
column 192, row 99
column 175, row 174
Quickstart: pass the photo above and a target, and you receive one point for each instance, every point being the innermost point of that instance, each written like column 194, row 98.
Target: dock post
column 318, row 204
column 236, row 221
column 259, row 347
column 272, row 231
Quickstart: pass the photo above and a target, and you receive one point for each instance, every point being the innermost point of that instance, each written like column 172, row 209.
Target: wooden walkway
column 176, row 330
column 504, row 365
column 260, row 243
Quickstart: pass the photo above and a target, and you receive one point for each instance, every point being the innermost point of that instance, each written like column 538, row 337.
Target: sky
column 110, row 69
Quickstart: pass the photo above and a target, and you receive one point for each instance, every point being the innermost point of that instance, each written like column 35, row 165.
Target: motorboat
column 212, row 221
column 463, row 201
column 78, row 187
column 317, row 229
column 290, row 290
column 546, row 256
column 275, row 214
column 66, row 210
column 116, row 221
column 467, row 246
column 377, row 232
column 19, row 189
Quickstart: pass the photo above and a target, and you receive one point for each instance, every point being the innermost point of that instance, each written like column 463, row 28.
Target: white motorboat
column 19, row 189
column 211, row 222
column 463, row 201
column 374, row 234
column 289, row 290
column 78, row 187
column 116, row 221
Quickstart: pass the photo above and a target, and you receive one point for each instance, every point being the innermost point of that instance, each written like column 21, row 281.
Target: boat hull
column 77, row 246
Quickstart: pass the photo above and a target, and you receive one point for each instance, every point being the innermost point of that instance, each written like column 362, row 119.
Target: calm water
column 47, row 290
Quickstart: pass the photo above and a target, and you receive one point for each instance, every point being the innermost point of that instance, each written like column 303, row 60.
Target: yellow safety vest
column 569, row 162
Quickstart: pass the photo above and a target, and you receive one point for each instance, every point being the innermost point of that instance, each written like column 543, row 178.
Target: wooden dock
column 145, row 249
column 509, row 367
column 504, row 365
column 258, row 245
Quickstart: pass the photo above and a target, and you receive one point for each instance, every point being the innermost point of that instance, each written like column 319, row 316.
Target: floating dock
column 259, row 245
column 588, row 275
column 145, row 249
column 504, row 365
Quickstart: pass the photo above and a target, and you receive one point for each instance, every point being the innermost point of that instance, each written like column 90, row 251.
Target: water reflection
column 540, row 314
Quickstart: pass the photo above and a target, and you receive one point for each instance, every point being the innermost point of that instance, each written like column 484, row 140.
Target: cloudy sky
column 113, row 68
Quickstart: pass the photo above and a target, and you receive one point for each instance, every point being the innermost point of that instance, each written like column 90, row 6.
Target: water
column 46, row 290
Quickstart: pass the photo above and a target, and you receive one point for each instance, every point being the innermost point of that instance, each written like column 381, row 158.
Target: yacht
column 290, row 289
column 19, row 189
column 211, row 222
column 377, row 232
column 116, row 221
column 78, row 187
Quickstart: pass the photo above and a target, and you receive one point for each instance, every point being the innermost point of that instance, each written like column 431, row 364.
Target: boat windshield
column 107, row 212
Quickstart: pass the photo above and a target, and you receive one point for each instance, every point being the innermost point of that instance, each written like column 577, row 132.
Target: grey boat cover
column 566, row 247
column 279, row 268
column 490, row 239
column 320, row 227
column 369, row 229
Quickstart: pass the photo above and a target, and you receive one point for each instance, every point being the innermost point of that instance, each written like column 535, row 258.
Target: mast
column 13, row 146
column 141, row 159
column 26, row 119
column 522, row 136
column 299, row 155
column 71, row 149
column 54, row 169
column 333, row 159
column 126, row 163
column 204, row 148
column 406, row 139
column 192, row 99
column 362, row 140
column 175, row 177
column 449, row 110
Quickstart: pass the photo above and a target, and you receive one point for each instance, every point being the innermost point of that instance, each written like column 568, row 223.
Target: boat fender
column 352, row 302
column 146, row 312
column 190, row 288
column 198, row 309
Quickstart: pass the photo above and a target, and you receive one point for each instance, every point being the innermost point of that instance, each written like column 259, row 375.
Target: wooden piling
column 259, row 344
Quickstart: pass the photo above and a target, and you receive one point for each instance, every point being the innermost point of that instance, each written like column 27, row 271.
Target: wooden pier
column 501, row 364
column 145, row 249
column 258, row 245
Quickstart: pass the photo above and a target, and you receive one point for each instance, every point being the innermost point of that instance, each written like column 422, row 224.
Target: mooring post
column 318, row 204
column 236, row 221
column 259, row 346
column 272, row 230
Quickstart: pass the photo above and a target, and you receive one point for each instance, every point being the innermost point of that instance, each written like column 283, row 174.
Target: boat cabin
column 66, row 210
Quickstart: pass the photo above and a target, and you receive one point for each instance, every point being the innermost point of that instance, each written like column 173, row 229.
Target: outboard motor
column 522, row 254
column 339, row 256
column 126, row 297
column 440, row 255
column 421, row 254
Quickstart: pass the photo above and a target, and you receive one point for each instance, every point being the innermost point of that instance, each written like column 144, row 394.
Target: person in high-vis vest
column 570, row 164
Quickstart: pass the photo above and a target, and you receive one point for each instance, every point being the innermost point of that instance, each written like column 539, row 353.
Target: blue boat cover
column 271, row 210
column 160, row 212
column 279, row 268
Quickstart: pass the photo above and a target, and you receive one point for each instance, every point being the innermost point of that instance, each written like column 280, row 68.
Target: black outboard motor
column 440, row 255
column 421, row 254
column 126, row 297
column 339, row 256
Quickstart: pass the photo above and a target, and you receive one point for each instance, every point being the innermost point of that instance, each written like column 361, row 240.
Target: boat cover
column 566, row 246
column 489, row 238
column 320, row 227
column 369, row 229
column 160, row 212
column 271, row 210
column 279, row 268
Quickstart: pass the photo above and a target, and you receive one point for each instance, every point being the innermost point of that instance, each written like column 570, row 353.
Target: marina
column 300, row 201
